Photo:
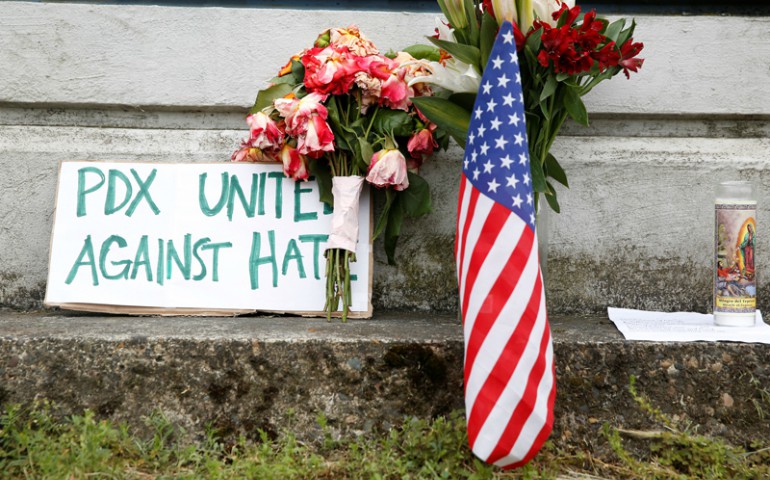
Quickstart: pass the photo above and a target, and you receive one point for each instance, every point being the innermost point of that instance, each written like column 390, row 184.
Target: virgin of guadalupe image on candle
column 735, row 274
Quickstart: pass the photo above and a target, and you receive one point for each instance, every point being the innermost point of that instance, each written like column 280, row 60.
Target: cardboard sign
column 194, row 239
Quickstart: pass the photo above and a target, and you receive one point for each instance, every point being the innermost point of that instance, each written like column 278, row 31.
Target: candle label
column 735, row 280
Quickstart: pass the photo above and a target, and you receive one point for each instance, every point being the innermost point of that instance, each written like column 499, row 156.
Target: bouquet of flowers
column 340, row 110
column 562, row 54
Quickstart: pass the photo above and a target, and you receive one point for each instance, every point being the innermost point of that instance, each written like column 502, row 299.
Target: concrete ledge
column 240, row 374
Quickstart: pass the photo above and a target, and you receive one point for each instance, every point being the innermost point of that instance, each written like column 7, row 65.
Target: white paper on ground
column 683, row 327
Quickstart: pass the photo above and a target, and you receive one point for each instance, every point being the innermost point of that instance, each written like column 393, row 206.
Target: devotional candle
column 735, row 277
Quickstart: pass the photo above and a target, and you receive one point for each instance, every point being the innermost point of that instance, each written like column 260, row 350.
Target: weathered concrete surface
column 240, row 374
column 114, row 55
column 635, row 228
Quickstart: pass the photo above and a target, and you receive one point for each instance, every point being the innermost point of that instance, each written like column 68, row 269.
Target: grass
column 35, row 443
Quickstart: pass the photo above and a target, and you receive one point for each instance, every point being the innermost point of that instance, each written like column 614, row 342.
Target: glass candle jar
column 735, row 276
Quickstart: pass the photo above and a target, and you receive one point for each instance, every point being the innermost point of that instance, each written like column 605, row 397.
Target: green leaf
column 465, row 53
column 382, row 221
column 424, row 52
column 550, row 197
column 266, row 97
column 393, row 230
column 416, row 199
column 575, row 106
column 626, row 34
column 297, row 71
column 549, row 88
column 449, row 116
column 614, row 29
column 397, row 122
column 323, row 175
column 538, row 176
column 464, row 99
column 555, row 171
column 366, row 150
column 473, row 22
column 344, row 137
column 487, row 36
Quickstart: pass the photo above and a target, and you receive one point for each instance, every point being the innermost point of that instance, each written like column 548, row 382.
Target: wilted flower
column 317, row 139
column 265, row 134
column 247, row 153
column 329, row 70
column 422, row 144
column 353, row 39
column 294, row 164
column 388, row 167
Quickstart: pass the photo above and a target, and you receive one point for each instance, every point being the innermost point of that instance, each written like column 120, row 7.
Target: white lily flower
column 455, row 76
column 544, row 9
column 506, row 10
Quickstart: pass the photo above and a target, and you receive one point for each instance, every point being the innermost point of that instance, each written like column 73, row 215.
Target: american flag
column 510, row 384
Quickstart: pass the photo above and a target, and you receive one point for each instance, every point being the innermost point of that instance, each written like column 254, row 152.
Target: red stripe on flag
column 493, row 225
column 500, row 292
column 505, row 366
column 542, row 436
column 466, row 227
column 460, row 196
column 525, row 407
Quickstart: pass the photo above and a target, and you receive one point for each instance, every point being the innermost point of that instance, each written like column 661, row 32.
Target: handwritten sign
column 194, row 238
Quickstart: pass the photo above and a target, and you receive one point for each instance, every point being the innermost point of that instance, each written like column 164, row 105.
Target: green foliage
column 448, row 115
column 674, row 453
column 38, row 443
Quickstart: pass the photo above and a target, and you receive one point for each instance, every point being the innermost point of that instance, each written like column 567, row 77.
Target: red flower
column 607, row 57
column 422, row 144
column 573, row 49
column 487, row 7
column 294, row 164
column 628, row 51
column 329, row 70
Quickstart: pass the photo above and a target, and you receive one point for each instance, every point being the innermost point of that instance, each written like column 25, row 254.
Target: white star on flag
column 500, row 142
column 506, row 161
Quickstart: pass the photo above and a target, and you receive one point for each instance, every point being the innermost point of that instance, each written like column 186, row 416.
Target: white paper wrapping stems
column 346, row 192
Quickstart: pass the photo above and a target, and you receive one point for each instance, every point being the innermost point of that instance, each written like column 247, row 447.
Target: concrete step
column 244, row 373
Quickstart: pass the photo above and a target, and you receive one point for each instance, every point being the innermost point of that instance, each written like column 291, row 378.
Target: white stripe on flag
column 537, row 419
column 493, row 347
column 492, row 267
column 494, row 428
column 462, row 215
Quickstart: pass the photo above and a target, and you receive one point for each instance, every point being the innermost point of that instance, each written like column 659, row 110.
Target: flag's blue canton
column 496, row 150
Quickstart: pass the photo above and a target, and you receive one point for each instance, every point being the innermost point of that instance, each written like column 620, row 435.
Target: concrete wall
column 172, row 84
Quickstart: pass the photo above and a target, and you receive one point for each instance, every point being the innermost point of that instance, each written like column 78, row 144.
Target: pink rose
column 265, row 134
column 294, row 164
column 422, row 144
column 388, row 167
column 247, row 153
column 318, row 138
column 329, row 70
column 297, row 111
